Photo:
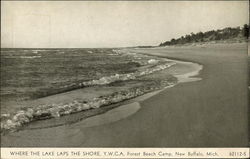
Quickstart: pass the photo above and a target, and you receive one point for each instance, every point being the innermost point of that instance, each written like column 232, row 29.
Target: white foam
column 128, row 76
column 57, row 110
column 30, row 57
column 153, row 61
column 188, row 76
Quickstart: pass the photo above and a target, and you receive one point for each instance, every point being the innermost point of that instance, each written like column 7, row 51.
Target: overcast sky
column 112, row 24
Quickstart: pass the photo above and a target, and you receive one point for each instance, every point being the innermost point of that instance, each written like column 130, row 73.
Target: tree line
column 213, row 35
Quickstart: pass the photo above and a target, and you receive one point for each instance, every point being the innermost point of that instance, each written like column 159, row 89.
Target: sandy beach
column 190, row 114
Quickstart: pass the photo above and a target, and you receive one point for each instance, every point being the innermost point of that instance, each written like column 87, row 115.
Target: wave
column 28, row 114
column 12, row 122
column 22, row 57
column 120, row 77
column 124, row 77
column 29, row 57
column 56, row 110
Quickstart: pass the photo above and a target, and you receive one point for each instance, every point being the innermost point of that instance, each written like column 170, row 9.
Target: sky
column 85, row 24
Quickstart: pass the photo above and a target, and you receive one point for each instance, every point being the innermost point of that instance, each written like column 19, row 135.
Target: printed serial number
column 237, row 154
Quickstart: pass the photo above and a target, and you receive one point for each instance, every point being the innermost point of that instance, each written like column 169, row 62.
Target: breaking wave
column 29, row 57
column 56, row 110
column 124, row 77
column 22, row 117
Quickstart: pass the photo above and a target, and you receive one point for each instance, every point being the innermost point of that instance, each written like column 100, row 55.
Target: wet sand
column 212, row 112
column 208, row 113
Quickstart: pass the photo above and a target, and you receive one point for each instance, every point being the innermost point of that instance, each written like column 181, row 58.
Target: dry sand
column 208, row 113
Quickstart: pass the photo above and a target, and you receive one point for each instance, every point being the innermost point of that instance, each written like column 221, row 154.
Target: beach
column 194, row 113
column 202, row 113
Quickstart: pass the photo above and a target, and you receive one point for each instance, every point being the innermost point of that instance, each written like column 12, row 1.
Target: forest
column 213, row 35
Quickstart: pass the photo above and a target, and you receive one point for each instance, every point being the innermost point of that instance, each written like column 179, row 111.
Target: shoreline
column 179, row 77
column 194, row 114
column 134, row 103
column 123, row 108
column 33, row 110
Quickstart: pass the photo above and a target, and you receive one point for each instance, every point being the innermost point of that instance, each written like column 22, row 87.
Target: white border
column 96, row 153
